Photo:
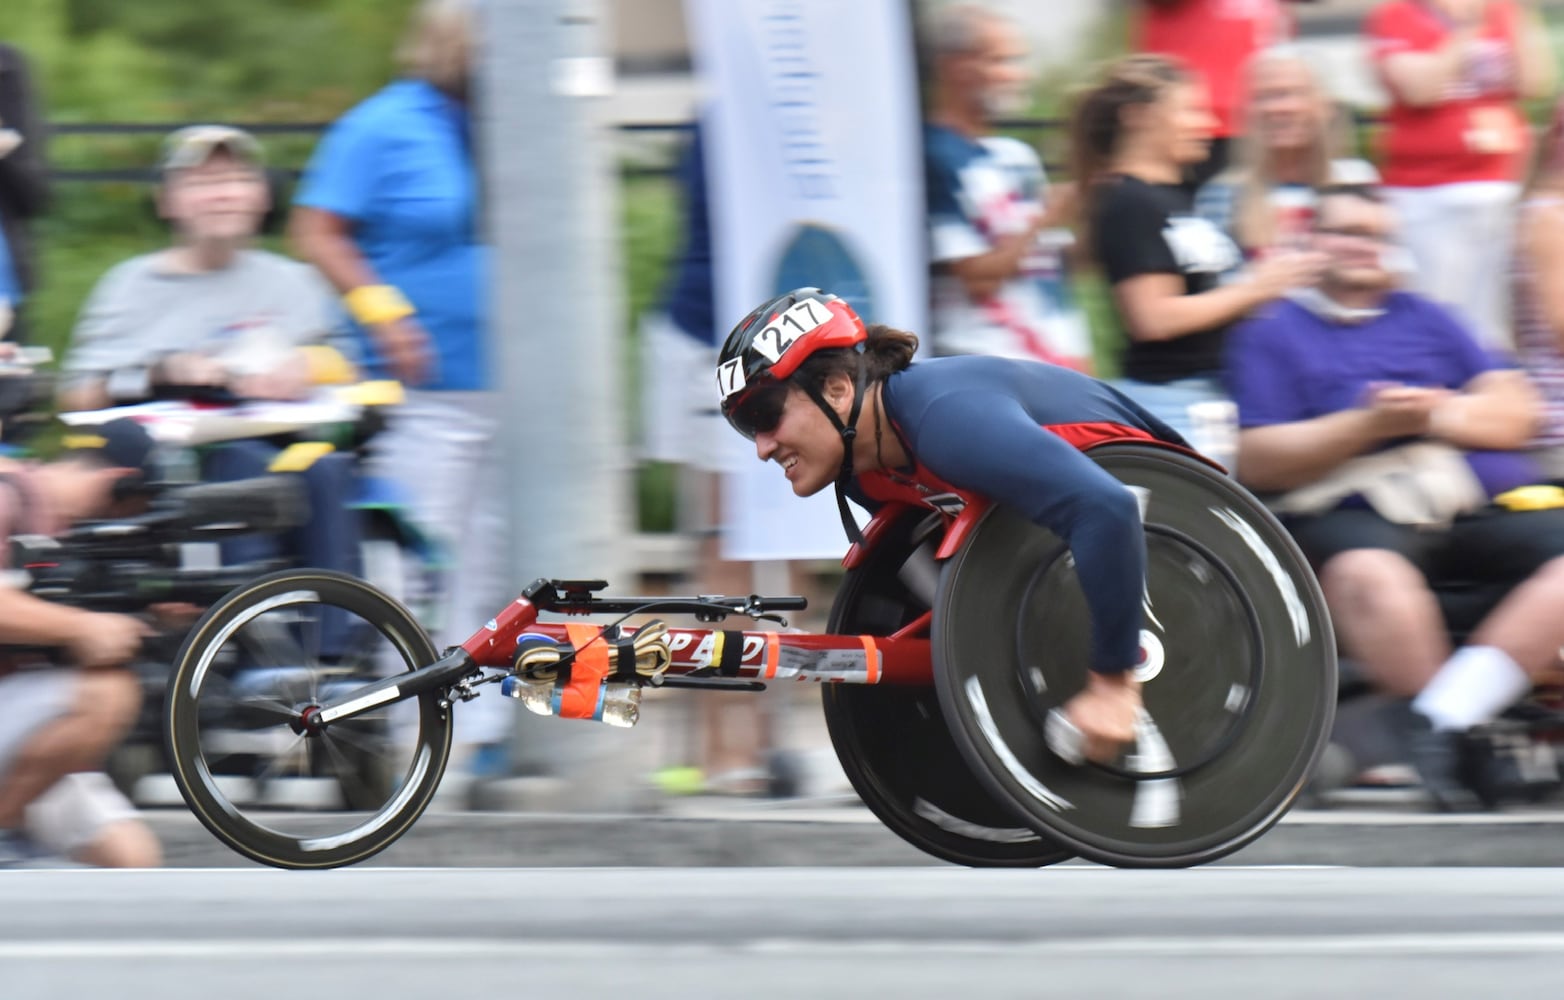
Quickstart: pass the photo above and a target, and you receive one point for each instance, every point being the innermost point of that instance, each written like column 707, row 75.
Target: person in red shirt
column 1455, row 143
column 1215, row 39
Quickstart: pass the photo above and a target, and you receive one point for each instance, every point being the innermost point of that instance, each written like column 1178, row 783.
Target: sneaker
column 1442, row 762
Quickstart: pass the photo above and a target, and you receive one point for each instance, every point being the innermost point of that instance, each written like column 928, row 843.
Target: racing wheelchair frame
column 957, row 631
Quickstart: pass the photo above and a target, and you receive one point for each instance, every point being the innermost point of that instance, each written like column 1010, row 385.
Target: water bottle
column 537, row 698
column 618, row 703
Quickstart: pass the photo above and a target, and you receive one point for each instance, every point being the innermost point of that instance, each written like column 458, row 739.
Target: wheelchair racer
column 834, row 402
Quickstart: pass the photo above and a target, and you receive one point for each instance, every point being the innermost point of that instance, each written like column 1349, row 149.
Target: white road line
column 253, row 949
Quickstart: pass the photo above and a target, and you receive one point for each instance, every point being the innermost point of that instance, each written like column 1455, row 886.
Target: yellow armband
column 372, row 305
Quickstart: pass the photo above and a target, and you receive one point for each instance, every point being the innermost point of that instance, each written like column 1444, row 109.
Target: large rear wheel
column 893, row 741
column 1238, row 667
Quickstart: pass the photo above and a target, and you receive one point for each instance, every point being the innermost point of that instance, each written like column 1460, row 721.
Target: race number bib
column 730, row 377
column 781, row 333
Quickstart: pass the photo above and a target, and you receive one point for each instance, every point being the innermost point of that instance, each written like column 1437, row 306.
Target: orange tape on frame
column 582, row 697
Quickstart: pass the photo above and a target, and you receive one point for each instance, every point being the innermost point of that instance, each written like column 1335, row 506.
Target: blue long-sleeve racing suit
column 1009, row 431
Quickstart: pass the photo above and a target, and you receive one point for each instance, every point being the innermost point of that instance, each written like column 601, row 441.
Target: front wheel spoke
column 271, row 770
column 270, row 643
column 359, row 741
column 341, row 765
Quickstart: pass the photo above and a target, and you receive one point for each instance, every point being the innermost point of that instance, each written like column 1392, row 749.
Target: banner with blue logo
column 815, row 177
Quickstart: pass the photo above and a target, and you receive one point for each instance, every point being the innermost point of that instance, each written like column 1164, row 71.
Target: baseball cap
column 120, row 444
column 193, row 145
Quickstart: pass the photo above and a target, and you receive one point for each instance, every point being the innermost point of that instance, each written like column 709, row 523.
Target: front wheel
column 250, row 670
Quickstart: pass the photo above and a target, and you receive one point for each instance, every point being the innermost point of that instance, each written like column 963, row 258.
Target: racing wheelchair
column 957, row 631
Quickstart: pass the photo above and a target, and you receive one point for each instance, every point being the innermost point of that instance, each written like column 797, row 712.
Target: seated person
column 212, row 312
column 1383, row 435
column 61, row 723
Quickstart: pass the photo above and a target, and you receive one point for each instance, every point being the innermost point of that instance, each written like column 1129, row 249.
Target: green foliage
column 166, row 60
column 650, row 230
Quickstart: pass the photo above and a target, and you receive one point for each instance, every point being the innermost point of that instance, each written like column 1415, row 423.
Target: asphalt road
column 949, row 933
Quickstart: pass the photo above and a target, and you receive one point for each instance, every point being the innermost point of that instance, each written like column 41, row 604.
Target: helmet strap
column 848, row 432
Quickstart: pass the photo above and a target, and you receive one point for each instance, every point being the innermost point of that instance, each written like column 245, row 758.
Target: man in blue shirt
column 389, row 212
column 396, row 174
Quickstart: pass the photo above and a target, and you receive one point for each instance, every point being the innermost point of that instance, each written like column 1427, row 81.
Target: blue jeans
column 1170, row 401
column 329, row 539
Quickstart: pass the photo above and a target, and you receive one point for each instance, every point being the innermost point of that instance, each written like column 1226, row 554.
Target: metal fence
column 1032, row 127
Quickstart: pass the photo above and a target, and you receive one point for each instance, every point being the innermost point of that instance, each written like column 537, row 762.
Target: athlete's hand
column 1105, row 713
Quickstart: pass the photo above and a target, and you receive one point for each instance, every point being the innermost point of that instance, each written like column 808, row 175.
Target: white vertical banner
column 815, row 171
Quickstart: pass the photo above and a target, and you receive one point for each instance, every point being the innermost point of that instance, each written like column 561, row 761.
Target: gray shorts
column 72, row 813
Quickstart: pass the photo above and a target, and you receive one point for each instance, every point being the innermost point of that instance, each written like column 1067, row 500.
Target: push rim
column 1167, row 822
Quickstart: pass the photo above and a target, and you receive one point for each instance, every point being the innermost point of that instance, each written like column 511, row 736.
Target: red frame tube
column 903, row 658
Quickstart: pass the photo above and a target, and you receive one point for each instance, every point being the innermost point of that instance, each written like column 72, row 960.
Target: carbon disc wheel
column 1237, row 662
column 255, row 665
column 894, row 743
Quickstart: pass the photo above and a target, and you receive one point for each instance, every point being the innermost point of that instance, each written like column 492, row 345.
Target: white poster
column 815, row 171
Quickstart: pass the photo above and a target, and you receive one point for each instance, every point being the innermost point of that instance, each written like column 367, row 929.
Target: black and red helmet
column 763, row 352
column 769, row 344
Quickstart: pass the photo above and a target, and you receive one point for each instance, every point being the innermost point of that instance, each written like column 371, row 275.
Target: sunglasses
column 758, row 411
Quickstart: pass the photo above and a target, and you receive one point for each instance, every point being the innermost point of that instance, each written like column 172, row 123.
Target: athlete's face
column 804, row 442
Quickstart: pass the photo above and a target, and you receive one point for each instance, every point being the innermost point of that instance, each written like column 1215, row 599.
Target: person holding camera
column 61, row 720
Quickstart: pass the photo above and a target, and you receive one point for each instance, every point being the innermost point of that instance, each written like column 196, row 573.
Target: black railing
column 130, row 175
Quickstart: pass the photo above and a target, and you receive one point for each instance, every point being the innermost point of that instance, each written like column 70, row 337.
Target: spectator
column 1386, row 436
column 996, row 236
column 213, row 314
column 1455, row 142
column 1291, row 148
column 389, row 213
column 61, row 723
column 1215, row 39
column 1538, row 287
column 24, row 173
column 1133, row 134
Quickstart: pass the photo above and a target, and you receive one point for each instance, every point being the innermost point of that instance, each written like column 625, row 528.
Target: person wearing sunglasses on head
column 833, row 401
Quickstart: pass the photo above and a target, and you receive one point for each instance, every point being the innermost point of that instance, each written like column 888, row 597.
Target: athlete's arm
column 990, row 445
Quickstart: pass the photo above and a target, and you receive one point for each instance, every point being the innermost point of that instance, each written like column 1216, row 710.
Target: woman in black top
column 1134, row 136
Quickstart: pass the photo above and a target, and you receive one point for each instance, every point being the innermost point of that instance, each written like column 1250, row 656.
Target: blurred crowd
column 1369, row 335
column 1365, row 337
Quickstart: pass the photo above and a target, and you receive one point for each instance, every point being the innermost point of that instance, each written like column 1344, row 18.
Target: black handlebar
column 578, row 597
